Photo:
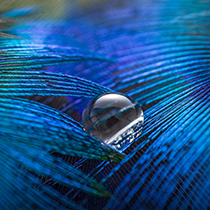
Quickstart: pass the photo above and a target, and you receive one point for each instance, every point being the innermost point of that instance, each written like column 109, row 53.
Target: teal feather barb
column 33, row 82
column 24, row 121
column 161, row 59
column 24, row 155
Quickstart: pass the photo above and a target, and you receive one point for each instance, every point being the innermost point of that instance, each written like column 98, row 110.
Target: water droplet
column 114, row 118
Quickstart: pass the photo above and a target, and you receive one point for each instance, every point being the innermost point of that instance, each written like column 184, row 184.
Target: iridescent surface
column 108, row 114
column 157, row 52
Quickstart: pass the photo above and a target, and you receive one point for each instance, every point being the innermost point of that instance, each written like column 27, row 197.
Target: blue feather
column 156, row 52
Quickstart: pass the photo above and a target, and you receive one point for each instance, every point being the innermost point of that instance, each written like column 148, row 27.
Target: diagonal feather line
column 9, row 35
column 58, row 135
column 28, row 83
column 18, row 53
column 162, row 60
column 26, row 181
column 182, row 154
column 42, row 164
column 167, row 63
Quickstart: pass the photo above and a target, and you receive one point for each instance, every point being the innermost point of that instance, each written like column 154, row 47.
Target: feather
column 59, row 132
column 156, row 52
column 29, row 83
column 37, row 191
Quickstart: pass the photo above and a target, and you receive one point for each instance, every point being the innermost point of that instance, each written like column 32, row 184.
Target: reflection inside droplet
column 114, row 118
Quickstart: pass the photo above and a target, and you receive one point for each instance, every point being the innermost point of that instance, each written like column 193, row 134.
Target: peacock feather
column 56, row 55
